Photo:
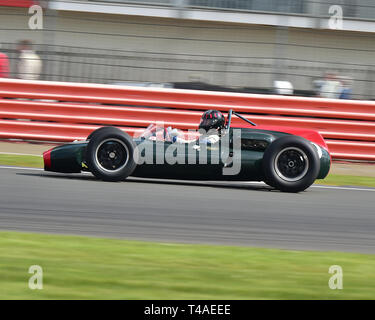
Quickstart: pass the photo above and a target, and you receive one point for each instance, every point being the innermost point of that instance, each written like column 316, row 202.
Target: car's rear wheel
column 269, row 183
column 291, row 164
column 110, row 154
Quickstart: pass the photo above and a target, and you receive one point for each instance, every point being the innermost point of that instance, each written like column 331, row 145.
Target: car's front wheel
column 291, row 164
column 110, row 154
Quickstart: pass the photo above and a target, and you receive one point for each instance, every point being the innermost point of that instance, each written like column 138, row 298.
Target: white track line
column 22, row 154
column 21, row 168
column 254, row 182
column 343, row 188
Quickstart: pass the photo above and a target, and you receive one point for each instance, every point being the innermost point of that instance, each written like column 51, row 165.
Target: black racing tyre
column 110, row 154
column 101, row 129
column 291, row 164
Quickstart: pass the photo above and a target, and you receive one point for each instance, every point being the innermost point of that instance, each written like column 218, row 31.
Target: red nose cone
column 47, row 159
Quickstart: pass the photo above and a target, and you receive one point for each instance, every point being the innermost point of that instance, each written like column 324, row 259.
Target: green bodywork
column 70, row 158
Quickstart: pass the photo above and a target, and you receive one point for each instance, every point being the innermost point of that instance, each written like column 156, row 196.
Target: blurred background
column 258, row 46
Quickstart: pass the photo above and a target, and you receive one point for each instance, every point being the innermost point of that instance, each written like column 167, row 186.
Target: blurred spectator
column 346, row 88
column 330, row 87
column 283, row 87
column 317, row 85
column 29, row 65
column 4, row 65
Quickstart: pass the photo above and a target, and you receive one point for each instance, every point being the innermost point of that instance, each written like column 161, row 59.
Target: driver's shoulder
column 214, row 138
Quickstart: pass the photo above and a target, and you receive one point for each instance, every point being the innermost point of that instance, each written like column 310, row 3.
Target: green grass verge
column 21, row 160
column 92, row 268
column 344, row 180
column 332, row 179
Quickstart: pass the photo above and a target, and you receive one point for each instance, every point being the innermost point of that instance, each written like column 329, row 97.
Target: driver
column 212, row 123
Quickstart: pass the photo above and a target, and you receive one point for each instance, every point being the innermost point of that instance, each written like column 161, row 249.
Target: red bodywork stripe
column 47, row 159
column 308, row 134
column 18, row 3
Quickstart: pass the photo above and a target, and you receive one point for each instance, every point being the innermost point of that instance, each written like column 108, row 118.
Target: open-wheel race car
column 287, row 159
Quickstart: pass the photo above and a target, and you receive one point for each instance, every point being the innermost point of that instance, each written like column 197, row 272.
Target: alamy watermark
column 36, row 280
column 336, row 20
column 336, row 281
column 223, row 149
column 36, row 19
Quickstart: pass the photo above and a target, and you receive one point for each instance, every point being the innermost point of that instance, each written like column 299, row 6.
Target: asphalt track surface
column 339, row 219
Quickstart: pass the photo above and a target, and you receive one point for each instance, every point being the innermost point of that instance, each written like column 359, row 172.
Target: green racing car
column 287, row 159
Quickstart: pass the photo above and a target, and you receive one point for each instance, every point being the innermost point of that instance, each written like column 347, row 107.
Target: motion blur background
column 232, row 45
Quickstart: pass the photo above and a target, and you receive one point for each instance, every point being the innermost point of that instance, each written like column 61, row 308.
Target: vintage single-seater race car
column 287, row 159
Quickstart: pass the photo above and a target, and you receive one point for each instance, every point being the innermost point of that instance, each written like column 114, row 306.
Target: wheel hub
column 112, row 155
column 291, row 164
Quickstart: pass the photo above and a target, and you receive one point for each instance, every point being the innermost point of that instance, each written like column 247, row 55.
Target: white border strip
column 343, row 188
column 21, row 168
column 22, row 154
column 211, row 14
column 255, row 182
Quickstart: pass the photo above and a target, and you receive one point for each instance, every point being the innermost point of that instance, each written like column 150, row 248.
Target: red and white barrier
column 67, row 111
